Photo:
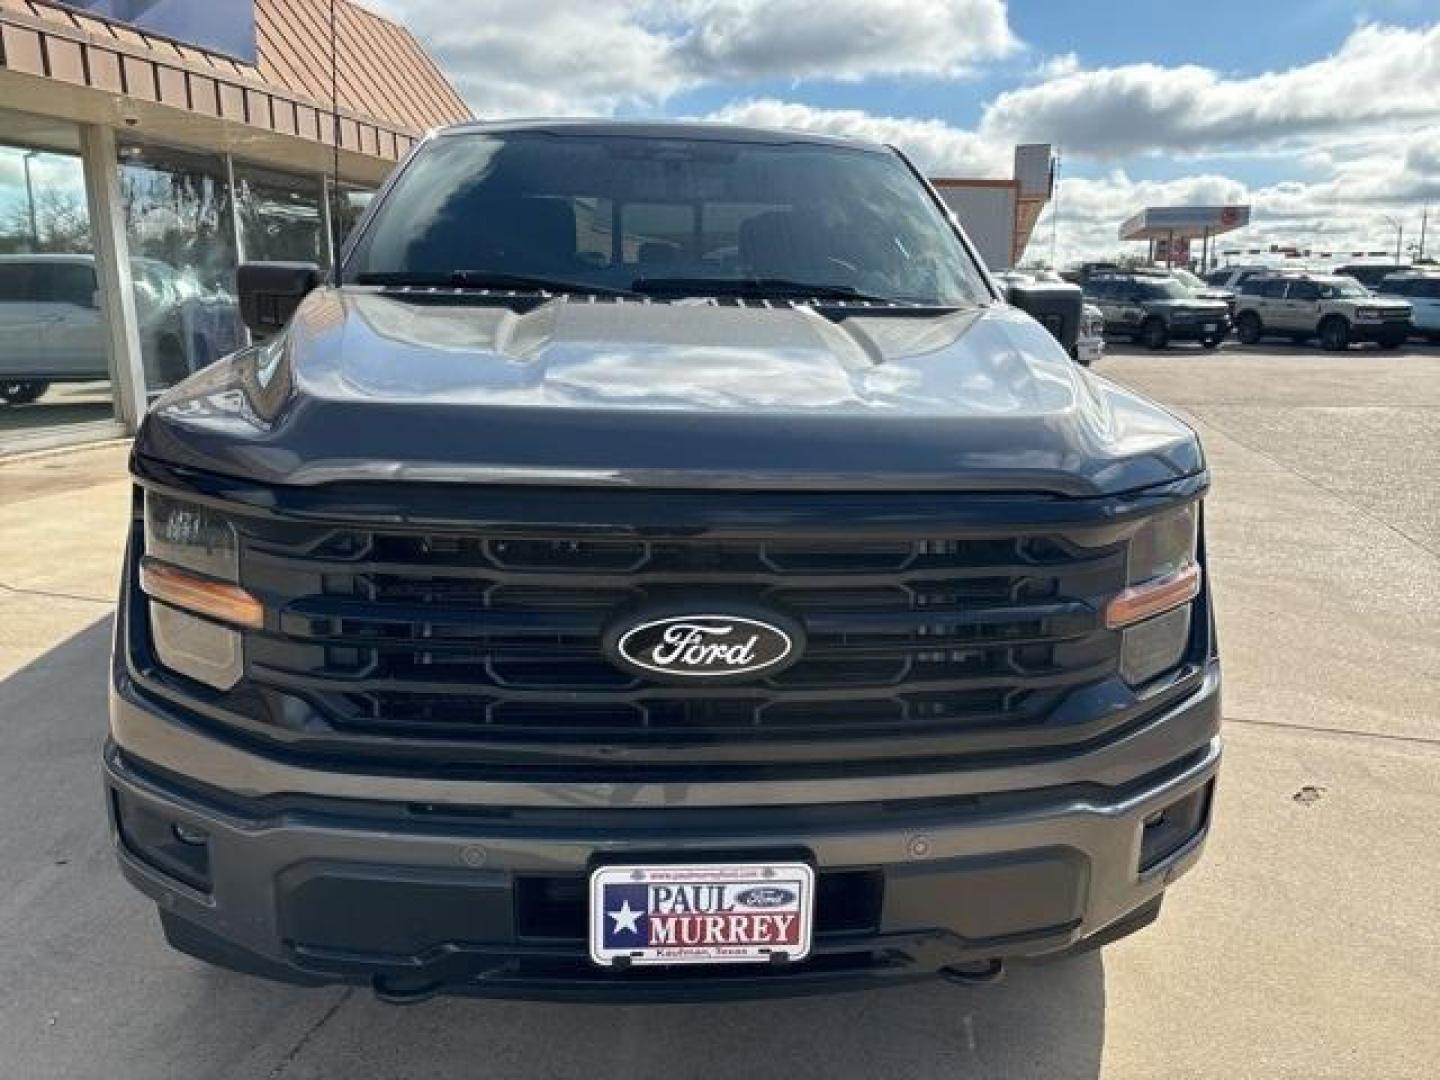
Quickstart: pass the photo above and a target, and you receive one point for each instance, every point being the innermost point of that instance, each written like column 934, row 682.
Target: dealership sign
column 225, row 26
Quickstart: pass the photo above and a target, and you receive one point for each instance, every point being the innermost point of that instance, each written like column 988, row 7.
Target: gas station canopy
column 1170, row 229
column 1184, row 222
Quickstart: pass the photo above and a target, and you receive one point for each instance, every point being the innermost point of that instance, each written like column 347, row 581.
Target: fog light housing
column 1170, row 829
column 169, row 846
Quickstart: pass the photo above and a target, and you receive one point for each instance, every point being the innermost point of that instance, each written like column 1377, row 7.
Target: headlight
column 1153, row 611
column 190, row 572
column 1163, row 546
column 188, row 535
column 1367, row 313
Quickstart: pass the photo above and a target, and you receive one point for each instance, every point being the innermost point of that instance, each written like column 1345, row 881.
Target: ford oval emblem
column 764, row 896
column 705, row 644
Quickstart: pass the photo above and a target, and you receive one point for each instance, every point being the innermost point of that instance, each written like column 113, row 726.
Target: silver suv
column 1337, row 310
column 1421, row 290
column 52, row 329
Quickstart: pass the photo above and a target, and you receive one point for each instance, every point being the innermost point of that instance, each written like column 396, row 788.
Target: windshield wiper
column 759, row 287
column 486, row 279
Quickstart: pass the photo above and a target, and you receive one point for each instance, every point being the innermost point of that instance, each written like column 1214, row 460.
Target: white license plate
column 718, row 913
column 1210, row 327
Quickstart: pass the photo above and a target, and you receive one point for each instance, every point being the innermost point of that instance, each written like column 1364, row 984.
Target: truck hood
column 369, row 385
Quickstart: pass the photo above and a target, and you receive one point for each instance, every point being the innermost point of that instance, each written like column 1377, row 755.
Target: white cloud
column 1380, row 75
column 1361, row 125
column 565, row 57
column 842, row 39
column 933, row 145
column 545, row 57
column 1370, row 176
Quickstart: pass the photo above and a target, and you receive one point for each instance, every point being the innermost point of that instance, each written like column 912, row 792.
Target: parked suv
column 1337, row 310
column 1421, row 290
column 52, row 329
column 1156, row 309
column 1230, row 278
column 1050, row 299
column 540, row 614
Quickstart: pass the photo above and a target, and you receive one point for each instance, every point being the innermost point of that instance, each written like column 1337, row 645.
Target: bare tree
column 58, row 222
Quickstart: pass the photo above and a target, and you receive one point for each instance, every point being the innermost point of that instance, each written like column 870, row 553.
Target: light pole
column 1399, row 234
column 30, row 200
column 1054, row 209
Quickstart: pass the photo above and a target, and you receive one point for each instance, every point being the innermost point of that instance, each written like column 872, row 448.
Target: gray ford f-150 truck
column 659, row 564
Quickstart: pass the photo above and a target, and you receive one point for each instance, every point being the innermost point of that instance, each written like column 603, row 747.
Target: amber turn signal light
column 201, row 595
column 1153, row 597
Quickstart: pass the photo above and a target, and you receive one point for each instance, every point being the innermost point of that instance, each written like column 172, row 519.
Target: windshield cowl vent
column 531, row 298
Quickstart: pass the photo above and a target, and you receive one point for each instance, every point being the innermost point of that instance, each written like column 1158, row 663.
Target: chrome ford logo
column 763, row 896
column 706, row 645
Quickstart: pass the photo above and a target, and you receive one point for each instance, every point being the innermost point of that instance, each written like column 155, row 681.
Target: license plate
column 1210, row 327
column 720, row 913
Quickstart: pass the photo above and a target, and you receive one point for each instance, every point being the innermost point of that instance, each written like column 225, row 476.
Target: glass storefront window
column 349, row 207
column 281, row 216
column 54, row 356
column 179, row 219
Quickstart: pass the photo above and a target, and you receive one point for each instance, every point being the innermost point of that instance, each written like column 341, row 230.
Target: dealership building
column 999, row 215
column 147, row 148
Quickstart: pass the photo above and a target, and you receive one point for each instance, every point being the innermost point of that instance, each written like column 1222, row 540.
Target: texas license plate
column 722, row 913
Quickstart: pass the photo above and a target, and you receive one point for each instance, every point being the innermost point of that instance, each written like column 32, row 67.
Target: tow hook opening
column 405, row 989
column 979, row 973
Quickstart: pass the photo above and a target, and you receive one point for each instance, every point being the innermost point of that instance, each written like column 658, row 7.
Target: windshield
column 1189, row 280
column 1165, row 289
column 665, row 216
column 1343, row 289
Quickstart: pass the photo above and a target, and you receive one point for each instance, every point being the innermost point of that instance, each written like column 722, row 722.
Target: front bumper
column 1380, row 330
column 1196, row 330
column 484, row 897
column 1088, row 350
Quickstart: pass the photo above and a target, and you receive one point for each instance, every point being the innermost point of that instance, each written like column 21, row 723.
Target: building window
column 54, row 353
column 179, row 219
column 281, row 217
column 350, row 205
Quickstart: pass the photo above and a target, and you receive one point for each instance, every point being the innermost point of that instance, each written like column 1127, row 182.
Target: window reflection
column 280, row 216
column 53, row 357
column 350, row 204
column 178, row 216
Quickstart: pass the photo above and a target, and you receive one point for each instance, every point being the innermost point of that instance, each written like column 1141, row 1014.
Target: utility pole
column 1424, row 221
column 30, row 200
column 1399, row 234
column 1054, row 210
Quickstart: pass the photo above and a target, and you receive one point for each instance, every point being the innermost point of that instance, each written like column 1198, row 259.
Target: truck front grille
column 447, row 639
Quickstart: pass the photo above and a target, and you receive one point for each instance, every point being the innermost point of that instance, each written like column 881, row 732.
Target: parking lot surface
column 1305, row 945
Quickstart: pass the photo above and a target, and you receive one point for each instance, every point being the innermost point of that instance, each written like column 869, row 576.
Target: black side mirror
column 1054, row 306
column 271, row 291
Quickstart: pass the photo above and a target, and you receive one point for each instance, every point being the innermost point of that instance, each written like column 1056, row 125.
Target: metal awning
column 63, row 63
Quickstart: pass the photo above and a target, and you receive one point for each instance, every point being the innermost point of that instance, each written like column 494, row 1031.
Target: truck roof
column 657, row 129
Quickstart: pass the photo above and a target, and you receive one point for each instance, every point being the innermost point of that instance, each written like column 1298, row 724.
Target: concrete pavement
column 1307, row 944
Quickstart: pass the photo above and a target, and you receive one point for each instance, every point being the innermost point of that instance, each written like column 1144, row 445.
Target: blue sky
column 1324, row 114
